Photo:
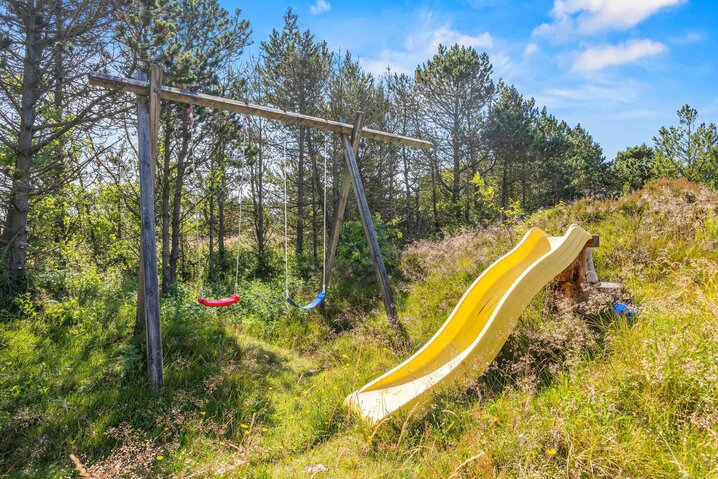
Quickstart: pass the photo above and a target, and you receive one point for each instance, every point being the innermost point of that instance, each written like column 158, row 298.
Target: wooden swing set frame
column 149, row 95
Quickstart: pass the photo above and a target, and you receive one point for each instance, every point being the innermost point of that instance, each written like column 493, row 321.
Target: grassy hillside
column 567, row 397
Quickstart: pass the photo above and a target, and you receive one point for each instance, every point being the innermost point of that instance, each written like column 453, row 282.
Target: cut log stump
column 577, row 290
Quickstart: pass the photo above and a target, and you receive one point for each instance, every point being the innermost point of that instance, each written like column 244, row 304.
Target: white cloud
column 503, row 66
column 587, row 17
column 597, row 58
column 421, row 44
column 642, row 114
column 597, row 96
column 689, row 38
column 531, row 49
column 446, row 36
column 320, row 6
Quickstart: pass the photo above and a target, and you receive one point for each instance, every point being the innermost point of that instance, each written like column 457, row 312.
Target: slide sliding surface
column 476, row 330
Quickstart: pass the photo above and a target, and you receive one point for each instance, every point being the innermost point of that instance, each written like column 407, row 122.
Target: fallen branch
column 80, row 468
column 461, row 466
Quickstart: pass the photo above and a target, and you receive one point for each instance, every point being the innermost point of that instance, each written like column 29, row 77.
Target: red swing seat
column 218, row 303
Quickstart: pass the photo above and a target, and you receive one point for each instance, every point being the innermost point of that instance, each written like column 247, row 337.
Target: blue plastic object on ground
column 624, row 310
column 316, row 302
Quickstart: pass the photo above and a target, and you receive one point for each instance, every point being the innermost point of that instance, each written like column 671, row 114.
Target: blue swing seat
column 315, row 302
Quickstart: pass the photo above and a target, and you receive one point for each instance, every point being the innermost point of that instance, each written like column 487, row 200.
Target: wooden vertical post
column 156, row 74
column 140, row 320
column 140, row 316
column 367, row 222
column 149, row 287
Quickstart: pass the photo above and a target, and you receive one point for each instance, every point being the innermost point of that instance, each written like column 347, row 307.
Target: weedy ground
column 596, row 397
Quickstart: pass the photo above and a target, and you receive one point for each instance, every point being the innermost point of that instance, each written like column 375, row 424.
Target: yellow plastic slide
column 477, row 328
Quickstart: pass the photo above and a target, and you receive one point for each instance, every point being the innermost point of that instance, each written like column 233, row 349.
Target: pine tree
column 455, row 86
column 48, row 47
column 294, row 69
column 633, row 168
column 510, row 137
column 689, row 150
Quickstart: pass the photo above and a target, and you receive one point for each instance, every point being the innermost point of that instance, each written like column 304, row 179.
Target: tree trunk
column 58, row 99
column 456, row 180
column 505, row 183
column 258, row 195
column 177, row 203
column 300, row 195
column 474, row 188
column 456, row 158
column 315, row 187
column 335, row 174
column 392, row 179
column 165, row 206
column 417, row 212
column 407, row 190
column 221, row 201
column 86, row 208
column 16, row 230
column 211, row 221
column 433, row 197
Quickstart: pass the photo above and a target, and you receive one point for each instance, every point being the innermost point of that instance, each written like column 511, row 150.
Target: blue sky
column 621, row 68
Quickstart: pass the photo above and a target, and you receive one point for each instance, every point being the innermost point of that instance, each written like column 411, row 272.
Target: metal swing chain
column 324, row 248
column 244, row 144
column 190, row 122
column 286, row 229
column 239, row 238
column 239, row 226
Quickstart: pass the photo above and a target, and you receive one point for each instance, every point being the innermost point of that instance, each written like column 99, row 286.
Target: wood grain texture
column 140, row 87
column 149, row 289
column 341, row 210
column 155, row 102
column 368, row 225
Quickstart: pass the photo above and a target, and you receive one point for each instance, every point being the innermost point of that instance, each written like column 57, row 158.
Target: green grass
column 257, row 392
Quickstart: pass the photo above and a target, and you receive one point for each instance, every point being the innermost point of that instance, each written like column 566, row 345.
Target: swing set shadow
column 149, row 95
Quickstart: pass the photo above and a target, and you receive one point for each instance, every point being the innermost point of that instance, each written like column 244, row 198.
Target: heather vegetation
column 250, row 397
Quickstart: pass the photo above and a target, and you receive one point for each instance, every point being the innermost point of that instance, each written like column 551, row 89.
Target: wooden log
column 149, row 277
column 368, row 225
column 577, row 290
column 589, row 269
column 140, row 87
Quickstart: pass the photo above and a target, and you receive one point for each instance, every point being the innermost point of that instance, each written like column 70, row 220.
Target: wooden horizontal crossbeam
column 139, row 87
